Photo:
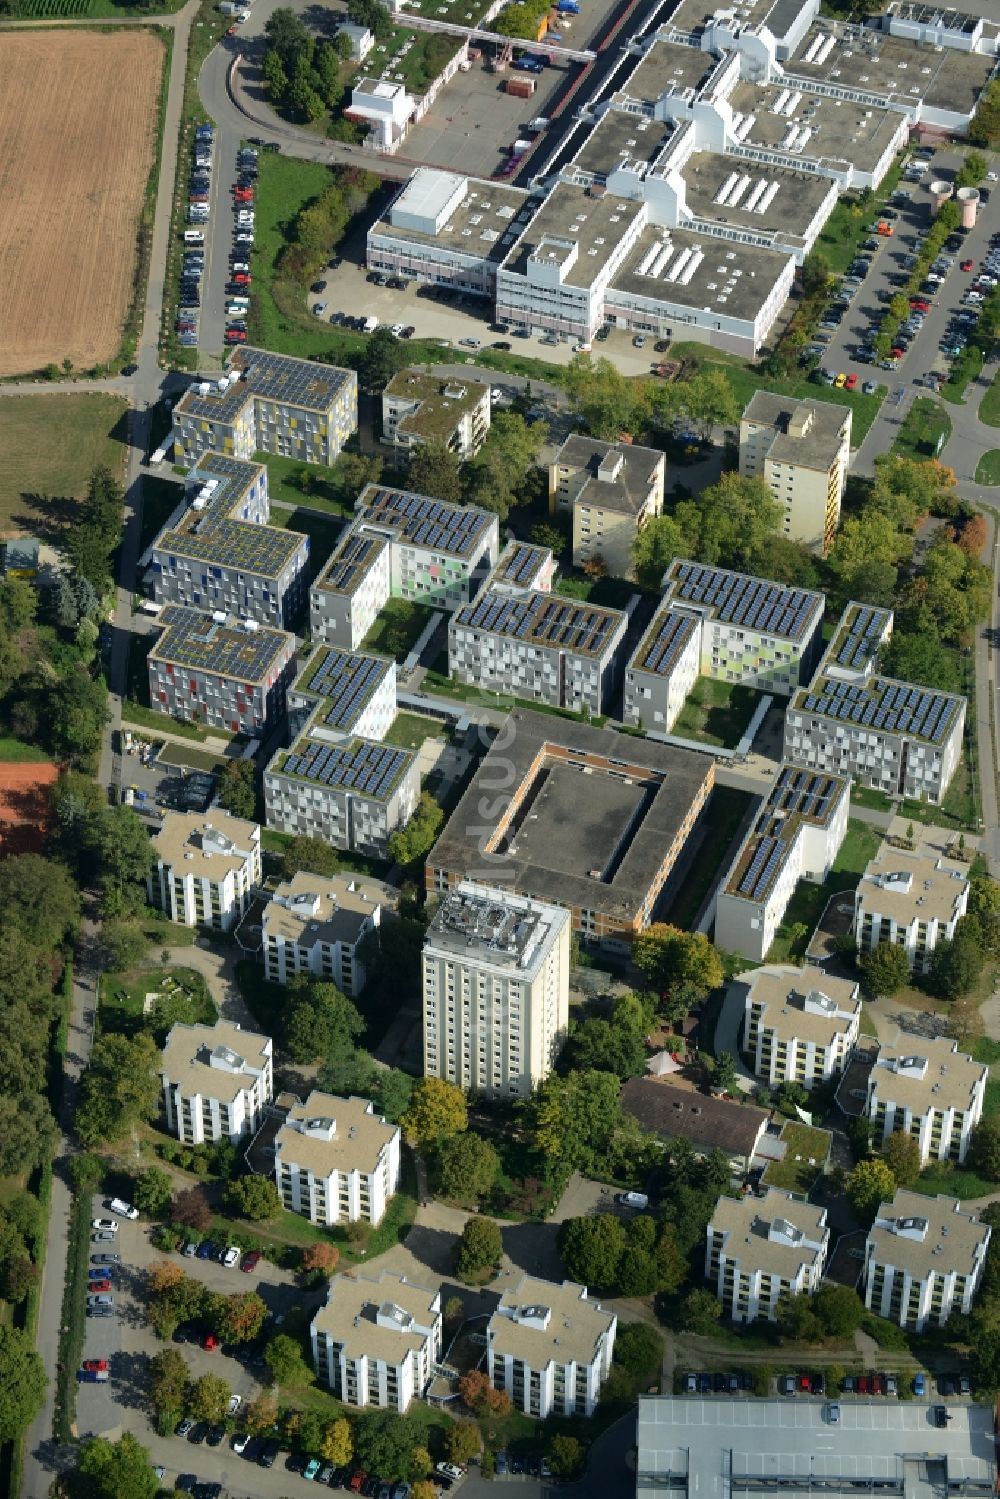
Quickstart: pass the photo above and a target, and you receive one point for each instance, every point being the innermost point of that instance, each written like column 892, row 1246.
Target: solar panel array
column 861, row 636
column 350, row 562
column 363, row 766
column 806, row 792
column 348, row 682
column 737, row 599
column 769, row 854
column 521, row 562
column 278, row 377
column 425, row 522
column 194, row 639
column 895, row 707
column 664, row 642
column 542, row 619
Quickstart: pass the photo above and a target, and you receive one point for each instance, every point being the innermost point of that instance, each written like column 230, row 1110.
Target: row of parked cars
column 266, row 1451
column 104, row 1266
column 814, row 1383
column 238, row 285
column 198, row 214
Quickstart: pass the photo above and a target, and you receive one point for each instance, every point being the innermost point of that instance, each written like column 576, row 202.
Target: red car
column 897, row 353
column 251, row 1261
column 357, row 1479
column 94, row 1286
column 966, row 265
column 863, row 1385
column 235, row 336
column 94, row 1365
column 919, row 305
column 241, row 278
column 878, row 1385
column 850, row 382
column 210, row 1342
column 804, row 1383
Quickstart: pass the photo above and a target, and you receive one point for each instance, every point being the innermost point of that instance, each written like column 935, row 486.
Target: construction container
column 522, row 88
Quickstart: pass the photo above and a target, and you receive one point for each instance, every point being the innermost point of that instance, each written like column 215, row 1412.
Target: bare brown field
column 78, row 115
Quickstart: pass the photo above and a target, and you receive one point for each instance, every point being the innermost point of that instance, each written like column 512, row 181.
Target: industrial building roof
column 738, row 599
column 927, row 1236
column 754, row 196
column 223, row 648
column 545, row 620
column 693, row 270
column 417, row 520
column 883, row 704
column 660, row 648
column 889, row 69
column 797, row 797
column 570, row 217
column 809, row 433
column 327, row 1134
column 481, row 225
column 214, row 1061
column 543, row 1323
column 784, row 119
column 668, row 68
column 360, row 766
column 618, row 139
column 803, row 1004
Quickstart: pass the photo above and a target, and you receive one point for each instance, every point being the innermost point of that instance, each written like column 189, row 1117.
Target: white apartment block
column 910, row 900
column 549, row 1347
column 217, row 1080
column 800, row 449
column 900, row 739
column 796, row 835
column 317, row 924
column 495, row 990
column 336, row 1161
column 930, row 1091
column 924, row 1260
column 418, row 408
column 757, row 1251
column 375, row 1340
column 608, row 490
column 205, row 871
column 800, row 1024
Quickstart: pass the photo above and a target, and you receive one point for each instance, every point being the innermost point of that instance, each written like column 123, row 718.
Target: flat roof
column 542, row 619
column 521, row 563
column 620, row 139
column 205, row 845
column 911, row 887
column 611, row 475
column 212, row 531
column 481, row 226
column 927, row 1236
column 570, row 217
column 418, row 520
column 311, row 908
column 814, row 126
column 919, row 1073
column 484, row 925
column 273, row 377
column 348, row 681
column 756, row 196
column 660, row 648
column 858, row 638
column 668, row 68
column 772, row 609
column 665, row 1108
column 692, row 15
column 895, row 69
column 361, row 766
column 630, row 827
column 545, row 1323
column 775, row 1235
column 350, row 562
column 796, row 797
column 327, row 1134
column 793, row 1000
column 697, row 271
column 789, row 1446
column 438, row 404
column 387, row 1318
column 215, row 1061
column 884, row 704
column 807, row 433
column 200, row 642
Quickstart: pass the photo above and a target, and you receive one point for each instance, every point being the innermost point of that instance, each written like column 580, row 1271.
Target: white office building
column 217, row 1080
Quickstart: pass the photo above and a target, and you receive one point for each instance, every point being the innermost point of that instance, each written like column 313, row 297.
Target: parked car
column 184, row 1427
column 231, row 1257
column 105, row 1225
column 786, row 1384
column 101, row 1299
column 250, row 1261
column 919, row 1384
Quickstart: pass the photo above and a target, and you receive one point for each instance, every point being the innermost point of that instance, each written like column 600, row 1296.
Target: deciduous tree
column 437, row 1111
column 478, row 1246
column 120, row 1087
column 22, row 1382
column 209, row 1398
column 901, row 1154
column 885, row 970
column 283, row 1356
column 253, row 1197
column 870, row 1183
column 468, row 1166
column 565, row 1456
column 591, row 1249
column 337, row 1446
column 118, row 1470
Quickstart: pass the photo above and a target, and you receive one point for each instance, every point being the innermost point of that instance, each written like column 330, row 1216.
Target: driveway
column 727, row 1032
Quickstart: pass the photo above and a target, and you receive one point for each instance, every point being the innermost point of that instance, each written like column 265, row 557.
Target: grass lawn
column 809, row 901
column 867, row 1025
column 35, row 469
column 807, row 1150
column 925, row 422
column 138, row 716
column 323, row 532
column 717, row 712
column 988, row 467
column 845, row 228
column 398, row 628
column 609, row 593
column 123, row 996
column 426, row 54
column 989, row 406
column 967, row 367
column 409, row 730
column 16, row 750
column 291, row 482
column 953, row 1181
column 726, row 809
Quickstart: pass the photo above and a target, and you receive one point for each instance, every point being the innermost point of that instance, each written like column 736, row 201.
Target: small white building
column 361, row 39
column 216, row 1082
column 386, row 108
column 549, row 1347
column 336, row 1161
column 756, row 1251
column 316, row 924
column 924, row 1260
column 375, row 1340
column 930, row 1091
column 910, row 900
column 800, row 1024
column 206, row 868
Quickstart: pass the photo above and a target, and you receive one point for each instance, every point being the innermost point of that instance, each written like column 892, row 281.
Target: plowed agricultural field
column 78, row 113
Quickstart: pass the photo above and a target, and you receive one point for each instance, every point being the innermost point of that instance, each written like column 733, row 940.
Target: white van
column 194, row 236
column 633, row 1199
column 123, row 1209
column 371, row 323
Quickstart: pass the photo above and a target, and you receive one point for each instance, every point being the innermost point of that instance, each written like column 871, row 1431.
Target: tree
column 169, row 1377
column 551, row 536
column 209, row 1398
column 287, row 35
column 839, row 1309
column 238, row 789
column 28, row 1133
column 921, row 658
column 468, row 1166
column 670, row 1261
column 383, row 357
column 408, row 845
column 313, row 854
column 984, row 127
column 461, row 1443
column 500, row 476
column 639, row 1349
column 574, row 1119
column 478, row 1246
column 283, row 1356
column 481, row 1397
column 670, row 958
column 392, row 1093
column 320, row 1259
column 984, row 1148
column 123, row 945
column 956, row 965
column 708, row 399
column 901, row 1154
column 733, row 521
column 886, row 969
column 253, row 1197
column 152, row 1192
column 384, row 1443
column 118, row 1470
column 606, row 401
column 565, row 1456
column 725, row 1077
column 192, row 1209
column 869, row 1184
column 591, row 1249
column 337, row 1446
column 120, row 1087
column 22, row 1382
column 261, row 1415
column 656, row 545
column 320, row 1023
column 438, row 1110
column 797, row 1319
column 700, row 1311
column 39, row 899
column 239, row 1318
column 424, row 1488
column 434, row 470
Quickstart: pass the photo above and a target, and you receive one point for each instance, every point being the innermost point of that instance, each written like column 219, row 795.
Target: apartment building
column 222, row 673
column 757, row 1251
column 400, row 545
column 575, row 816
column 929, row 1090
column 663, row 669
column 217, row 1080
column 910, row 900
column 549, row 1347
column 343, row 692
column 800, row 1025
column 796, row 835
column 495, row 976
column 318, row 924
column 754, row 632
column 267, row 403
column 220, row 554
column 336, row 1161
column 376, row 1339
column 524, row 567
column 608, row 491
column 204, row 871
column 900, row 739
column 924, row 1260
column 418, row 408
column 800, row 449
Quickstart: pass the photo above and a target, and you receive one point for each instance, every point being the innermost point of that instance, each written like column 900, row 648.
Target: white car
column 992, row 177
column 397, row 328
column 234, row 1404
column 319, row 309
column 231, row 1258
column 122, row 1208
column 241, row 1442
column 449, row 1470
column 105, row 1225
